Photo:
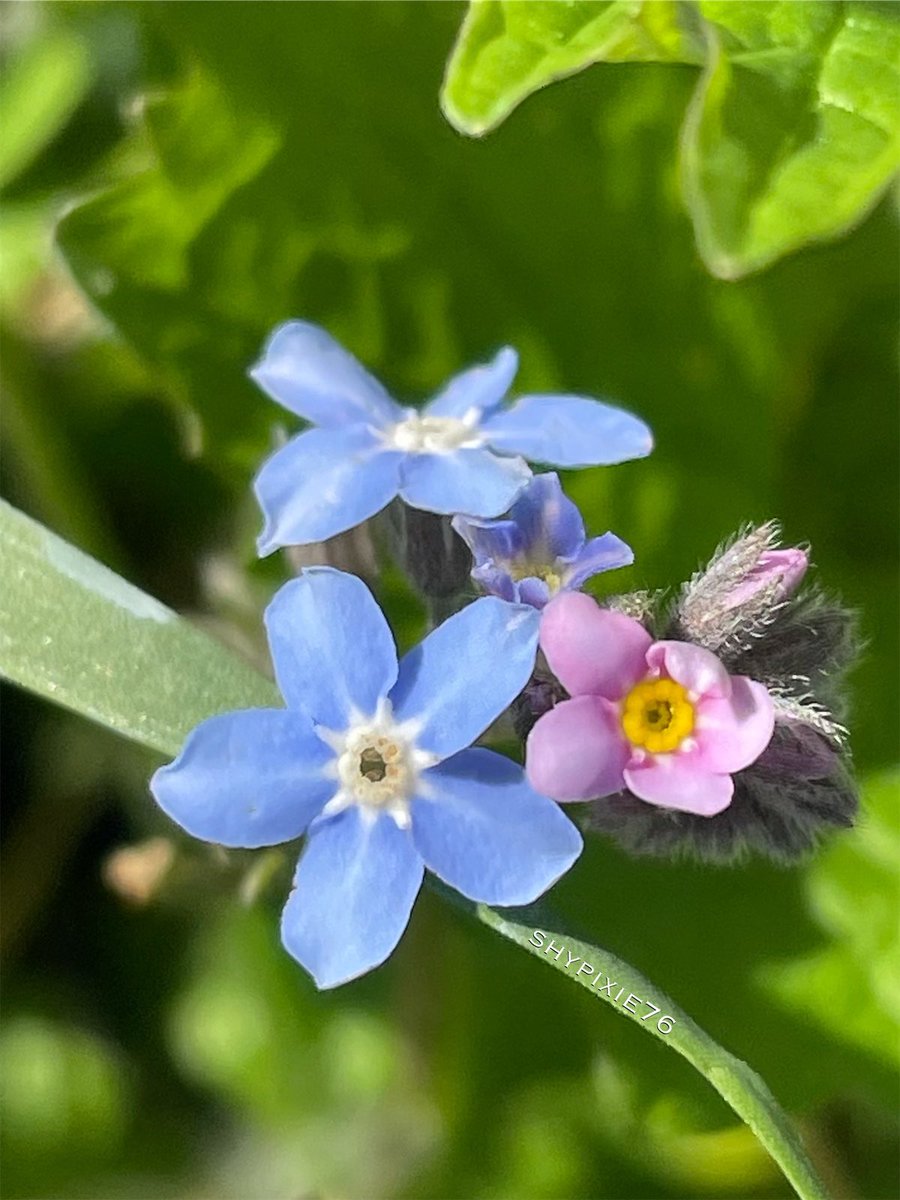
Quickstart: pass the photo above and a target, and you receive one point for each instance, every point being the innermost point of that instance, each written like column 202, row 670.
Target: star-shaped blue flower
column 463, row 453
column 372, row 758
column 540, row 548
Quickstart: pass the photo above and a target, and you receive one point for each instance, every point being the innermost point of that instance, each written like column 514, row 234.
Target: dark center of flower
column 371, row 765
column 658, row 715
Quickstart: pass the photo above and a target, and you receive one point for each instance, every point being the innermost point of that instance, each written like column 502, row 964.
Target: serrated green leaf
column 80, row 635
column 794, row 132
column 508, row 49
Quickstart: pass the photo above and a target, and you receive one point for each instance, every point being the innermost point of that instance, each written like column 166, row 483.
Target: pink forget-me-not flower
column 540, row 548
column 373, row 760
column 663, row 720
column 463, row 453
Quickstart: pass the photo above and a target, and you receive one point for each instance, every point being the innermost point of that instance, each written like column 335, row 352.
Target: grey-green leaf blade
column 80, row 635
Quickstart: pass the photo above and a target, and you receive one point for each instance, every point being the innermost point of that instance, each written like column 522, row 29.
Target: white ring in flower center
column 377, row 765
column 376, row 769
column 436, row 435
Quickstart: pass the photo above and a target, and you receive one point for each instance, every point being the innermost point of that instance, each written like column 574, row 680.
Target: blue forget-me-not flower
column 463, row 453
column 540, row 548
column 374, row 760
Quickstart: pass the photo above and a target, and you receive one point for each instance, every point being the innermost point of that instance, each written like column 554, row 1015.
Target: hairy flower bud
column 725, row 607
column 776, row 572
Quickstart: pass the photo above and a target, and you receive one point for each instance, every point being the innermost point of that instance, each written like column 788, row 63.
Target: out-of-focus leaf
column 131, row 246
column 80, row 635
column 508, row 49
column 65, row 1092
column 852, row 988
column 149, row 223
column 38, row 93
column 795, row 129
column 793, row 132
column 23, row 243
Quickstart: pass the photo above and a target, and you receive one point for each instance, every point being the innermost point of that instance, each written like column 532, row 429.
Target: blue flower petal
column 533, row 591
column 466, row 673
column 481, row 387
column 484, row 830
column 250, row 778
column 323, row 482
column 464, row 481
column 568, row 431
column 353, row 892
column 543, row 525
column 551, row 524
column 496, row 582
column 333, row 650
column 490, row 540
column 304, row 369
column 600, row 554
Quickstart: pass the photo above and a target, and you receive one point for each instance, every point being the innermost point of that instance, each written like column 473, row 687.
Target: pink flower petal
column 577, row 750
column 591, row 650
column 673, row 782
column 693, row 667
column 783, row 568
column 732, row 733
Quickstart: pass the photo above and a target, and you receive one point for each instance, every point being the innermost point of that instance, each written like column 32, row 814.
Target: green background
column 177, row 178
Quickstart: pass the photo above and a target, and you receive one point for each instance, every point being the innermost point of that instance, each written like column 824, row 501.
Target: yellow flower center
column 531, row 570
column 657, row 715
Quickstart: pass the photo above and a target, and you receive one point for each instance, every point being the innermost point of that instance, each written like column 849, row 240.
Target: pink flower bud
column 783, row 568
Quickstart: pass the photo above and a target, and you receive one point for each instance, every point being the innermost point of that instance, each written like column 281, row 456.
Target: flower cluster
column 721, row 738
column 710, row 726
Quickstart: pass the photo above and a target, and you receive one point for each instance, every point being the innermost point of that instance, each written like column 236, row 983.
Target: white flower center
column 377, row 765
column 436, row 435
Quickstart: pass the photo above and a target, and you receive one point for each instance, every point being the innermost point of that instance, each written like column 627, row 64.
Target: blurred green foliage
column 208, row 170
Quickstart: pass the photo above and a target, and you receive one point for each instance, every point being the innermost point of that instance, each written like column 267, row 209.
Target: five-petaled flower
column 540, row 548
column 663, row 720
column 463, row 453
column 373, row 759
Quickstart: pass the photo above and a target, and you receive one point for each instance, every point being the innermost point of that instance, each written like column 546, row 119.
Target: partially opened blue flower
column 540, row 548
column 463, row 453
column 373, row 760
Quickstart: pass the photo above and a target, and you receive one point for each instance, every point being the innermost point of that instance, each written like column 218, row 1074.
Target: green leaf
column 38, row 93
column 617, row 983
column 131, row 246
column 794, row 132
column 73, row 631
column 80, row 635
column 508, row 49
column 792, row 135
column 852, row 987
